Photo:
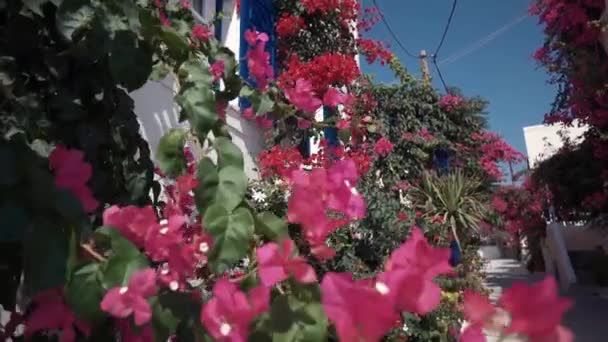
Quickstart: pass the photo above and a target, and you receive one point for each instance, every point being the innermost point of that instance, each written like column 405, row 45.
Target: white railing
column 557, row 257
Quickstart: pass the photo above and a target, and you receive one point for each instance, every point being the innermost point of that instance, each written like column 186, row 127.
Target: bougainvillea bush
column 180, row 253
column 575, row 57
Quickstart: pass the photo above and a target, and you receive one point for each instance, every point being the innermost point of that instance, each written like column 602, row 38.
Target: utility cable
column 392, row 33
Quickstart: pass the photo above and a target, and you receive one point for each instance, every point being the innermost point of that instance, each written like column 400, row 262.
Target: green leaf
column 13, row 222
column 228, row 153
column 197, row 74
column 69, row 206
column 84, row 292
column 265, row 104
column 246, row 91
column 130, row 60
column 125, row 260
column 9, row 175
column 46, row 252
column 177, row 46
column 34, row 5
column 170, row 152
column 164, row 322
column 73, row 15
column 208, row 179
column 344, row 135
column 271, row 226
column 232, row 232
column 231, row 188
column 199, row 105
column 295, row 320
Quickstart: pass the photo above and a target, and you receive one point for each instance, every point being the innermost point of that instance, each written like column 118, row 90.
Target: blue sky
column 503, row 71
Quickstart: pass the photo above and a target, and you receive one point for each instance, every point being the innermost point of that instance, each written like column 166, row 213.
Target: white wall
column 542, row 141
column 157, row 113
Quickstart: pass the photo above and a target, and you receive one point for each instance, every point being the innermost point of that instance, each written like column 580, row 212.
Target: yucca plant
column 458, row 199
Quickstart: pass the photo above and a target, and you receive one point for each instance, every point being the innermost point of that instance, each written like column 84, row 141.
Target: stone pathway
column 588, row 318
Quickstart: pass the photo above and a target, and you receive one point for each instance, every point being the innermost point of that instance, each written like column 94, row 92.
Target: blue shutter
column 442, row 160
column 455, row 256
column 330, row 133
column 219, row 8
column 258, row 15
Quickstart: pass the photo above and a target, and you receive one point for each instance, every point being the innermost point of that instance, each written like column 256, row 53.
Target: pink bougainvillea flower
column 536, row 310
column 258, row 59
column 201, row 32
column 133, row 222
column 401, row 216
column 359, row 311
column 334, row 97
column 410, row 272
column 186, row 4
column 302, row 96
column 417, row 254
column 161, row 239
column 248, row 113
column 121, row 302
column 314, row 192
column 217, row 70
column 264, row 122
column 472, row 334
column 437, row 219
column 72, row 174
column 478, row 311
column 163, row 18
column 52, row 313
column 426, row 135
column 252, row 37
column 383, row 147
column 227, row 315
column 450, row 102
column 276, row 264
column 128, row 334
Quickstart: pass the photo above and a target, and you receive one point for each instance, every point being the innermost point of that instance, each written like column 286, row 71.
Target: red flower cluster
column 324, row 71
column 374, row 50
column 289, row 25
column 370, row 17
column 279, row 161
column 347, row 9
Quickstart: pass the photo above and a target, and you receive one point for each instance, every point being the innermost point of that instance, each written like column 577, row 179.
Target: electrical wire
column 392, row 33
column 445, row 86
column 440, row 45
column 483, row 41
column 447, row 27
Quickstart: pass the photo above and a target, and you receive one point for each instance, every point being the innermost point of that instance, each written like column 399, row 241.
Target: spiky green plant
column 459, row 199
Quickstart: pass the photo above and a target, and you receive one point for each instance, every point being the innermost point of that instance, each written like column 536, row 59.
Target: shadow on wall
column 157, row 113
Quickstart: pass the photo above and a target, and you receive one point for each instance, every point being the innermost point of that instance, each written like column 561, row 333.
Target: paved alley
column 588, row 318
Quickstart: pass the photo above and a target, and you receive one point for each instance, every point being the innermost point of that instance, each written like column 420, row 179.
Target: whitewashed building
column 542, row 141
